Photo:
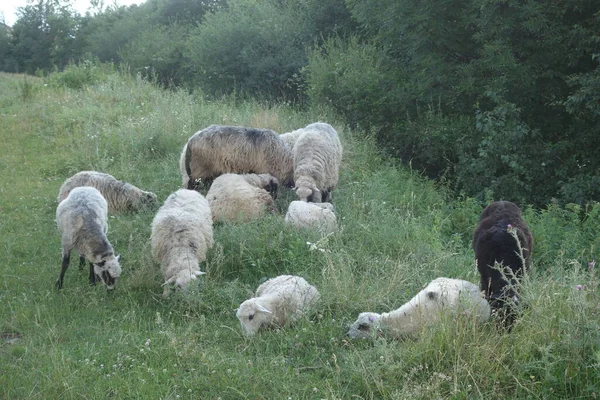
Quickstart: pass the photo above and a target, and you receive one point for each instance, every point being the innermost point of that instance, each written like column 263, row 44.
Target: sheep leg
column 92, row 276
column 65, row 264
column 81, row 262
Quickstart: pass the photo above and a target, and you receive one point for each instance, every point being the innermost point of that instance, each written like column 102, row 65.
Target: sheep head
column 253, row 316
column 181, row 280
column 108, row 269
column 366, row 326
column 308, row 194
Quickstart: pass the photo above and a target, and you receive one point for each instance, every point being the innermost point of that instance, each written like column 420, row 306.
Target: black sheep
column 494, row 242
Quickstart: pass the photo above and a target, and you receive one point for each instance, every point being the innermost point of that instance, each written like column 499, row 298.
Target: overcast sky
column 8, row 8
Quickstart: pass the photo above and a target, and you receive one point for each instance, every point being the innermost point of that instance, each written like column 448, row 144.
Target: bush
column 80, row 75
column 253, row 47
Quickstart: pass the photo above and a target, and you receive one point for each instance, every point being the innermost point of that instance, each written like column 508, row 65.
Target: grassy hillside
column 398, row 232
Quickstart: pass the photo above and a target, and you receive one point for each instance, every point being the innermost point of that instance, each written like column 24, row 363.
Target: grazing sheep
column 502, row 237
column 443, row 296
column 82, row 220
column 182, row 233
column 319, row 216
column 220, row 149
column 279, row 301
column 120, row 196
column 233, row 197
column 317, row 157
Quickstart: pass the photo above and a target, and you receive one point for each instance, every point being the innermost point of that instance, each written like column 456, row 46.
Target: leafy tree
column 43, row 35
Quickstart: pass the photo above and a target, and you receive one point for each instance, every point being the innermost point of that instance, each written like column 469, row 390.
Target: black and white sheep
column 82, row 220
column 317, row 216
column 120, row 196
column 278, row 302
column 443, row 296
column 182, row 233
column 221, row 149
column 234, row 197
column 502, row 243
column 317, row 158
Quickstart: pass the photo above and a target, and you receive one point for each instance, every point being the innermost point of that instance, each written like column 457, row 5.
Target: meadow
column 398, row 232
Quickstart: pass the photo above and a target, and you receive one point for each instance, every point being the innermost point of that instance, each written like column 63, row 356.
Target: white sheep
column 234, row 197
column 120, row 196
column 443, row 296
column 317, row 158
column 82, row 220
column 221, row 149
column 278, row 301
column 318, row 216
column 182, row 233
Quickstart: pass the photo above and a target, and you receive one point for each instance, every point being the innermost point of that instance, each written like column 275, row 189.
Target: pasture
column 398, row 232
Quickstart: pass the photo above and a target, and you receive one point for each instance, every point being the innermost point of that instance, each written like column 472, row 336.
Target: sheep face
column 253, row 316
column 108, row 270
column 307, row 194
column 366, row 326
column 148, row 198
column 181, row 280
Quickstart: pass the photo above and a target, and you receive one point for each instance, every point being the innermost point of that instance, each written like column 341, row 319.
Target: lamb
column 120, row 196
column 443, row 296
column 502, row 237
column 319, row 216
column 82, row 219
column 278, row 302
column 317, row 159
column 182, row 233
column 246, row 197
column 220, row 149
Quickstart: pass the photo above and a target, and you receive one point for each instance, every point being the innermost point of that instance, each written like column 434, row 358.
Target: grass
column 398, row 232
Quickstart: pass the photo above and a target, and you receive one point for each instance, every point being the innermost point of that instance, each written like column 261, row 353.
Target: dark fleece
column 492, row 242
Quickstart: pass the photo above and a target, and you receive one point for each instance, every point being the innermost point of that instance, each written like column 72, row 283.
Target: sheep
column 443, row 296
column 278, row 301
column 502, row 237
column 317, row 157
column 249, row 196
column 120, row 196
column 220, row 149
column 82, row 219
column 319, row 216
column 182, row 233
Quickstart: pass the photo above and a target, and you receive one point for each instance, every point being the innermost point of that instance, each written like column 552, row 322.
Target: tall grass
column 397, row 233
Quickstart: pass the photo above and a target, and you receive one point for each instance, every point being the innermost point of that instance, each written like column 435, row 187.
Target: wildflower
column 579, row 287
column 591, row 265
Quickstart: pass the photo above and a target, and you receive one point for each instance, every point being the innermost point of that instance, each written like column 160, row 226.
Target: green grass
column 398, row 231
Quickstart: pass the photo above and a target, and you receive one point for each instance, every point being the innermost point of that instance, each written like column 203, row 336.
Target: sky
column 9, row 7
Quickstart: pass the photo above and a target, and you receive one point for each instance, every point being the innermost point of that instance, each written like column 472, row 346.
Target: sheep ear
column 263, row 309
column 199, row 273
column 118, row 256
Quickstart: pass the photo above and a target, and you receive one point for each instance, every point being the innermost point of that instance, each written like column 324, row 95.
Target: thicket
column 494, row 99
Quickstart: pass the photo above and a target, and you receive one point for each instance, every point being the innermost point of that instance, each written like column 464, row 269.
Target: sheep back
column 220, row 149
column 182, row 233
column 234, row 197
column 317, row 216
column 120, row 196
column 317, row 158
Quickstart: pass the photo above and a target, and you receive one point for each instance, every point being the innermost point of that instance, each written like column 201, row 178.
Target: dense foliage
column 495, row 99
